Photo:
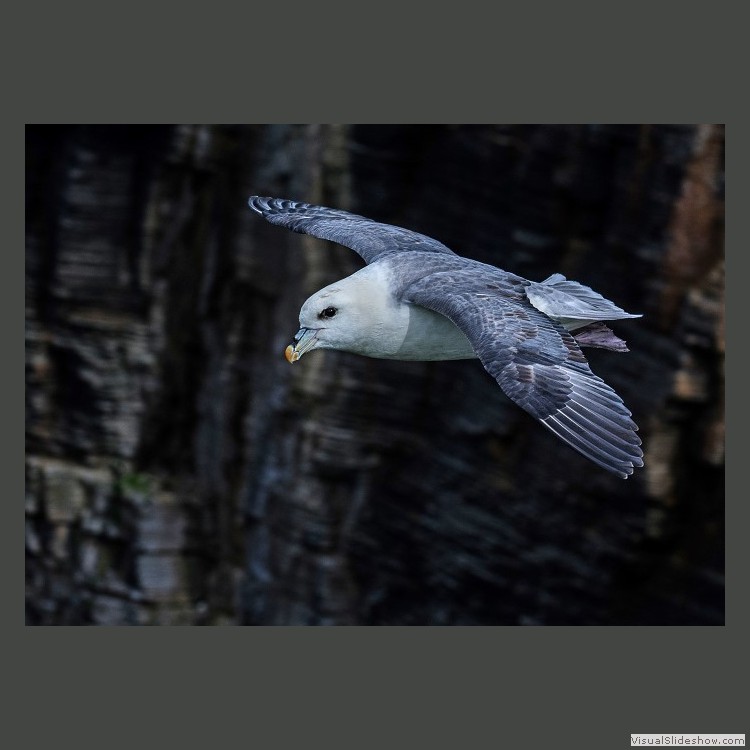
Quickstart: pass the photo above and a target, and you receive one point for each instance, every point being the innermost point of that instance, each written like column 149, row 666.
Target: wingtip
column 266, row 206
column 259, row 204
column 625, row 472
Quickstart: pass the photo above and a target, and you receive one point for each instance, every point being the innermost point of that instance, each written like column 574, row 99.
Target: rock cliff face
column 180, row 471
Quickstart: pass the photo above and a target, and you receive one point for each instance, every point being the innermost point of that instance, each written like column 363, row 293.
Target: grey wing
column 571, row 302
column 539, row 365
column 370, row 239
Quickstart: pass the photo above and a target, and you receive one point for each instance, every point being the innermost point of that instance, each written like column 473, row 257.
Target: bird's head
column 331, row 319
column 354, row 315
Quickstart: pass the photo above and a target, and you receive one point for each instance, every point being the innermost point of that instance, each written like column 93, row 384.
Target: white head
column 356, row 314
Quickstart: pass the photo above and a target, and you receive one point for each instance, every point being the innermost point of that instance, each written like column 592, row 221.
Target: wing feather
column 572, row 302
column 370, row 239
column 539, row 365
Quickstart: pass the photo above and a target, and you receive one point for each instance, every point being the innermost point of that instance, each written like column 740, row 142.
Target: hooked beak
column 304, row 340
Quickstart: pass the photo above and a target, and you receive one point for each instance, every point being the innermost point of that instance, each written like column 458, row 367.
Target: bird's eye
column 329, row 312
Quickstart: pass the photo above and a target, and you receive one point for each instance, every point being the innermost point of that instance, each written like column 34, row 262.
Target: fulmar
column 418, row 300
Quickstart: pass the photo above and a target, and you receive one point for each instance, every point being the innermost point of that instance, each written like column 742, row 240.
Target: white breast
column 430, row 336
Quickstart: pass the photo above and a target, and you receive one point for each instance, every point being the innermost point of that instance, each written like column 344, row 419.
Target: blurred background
column 180, row 471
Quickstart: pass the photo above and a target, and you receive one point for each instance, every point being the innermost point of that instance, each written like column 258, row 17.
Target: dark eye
column 329, row 312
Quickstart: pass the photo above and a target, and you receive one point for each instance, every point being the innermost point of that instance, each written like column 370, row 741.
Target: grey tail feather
column 600, row 336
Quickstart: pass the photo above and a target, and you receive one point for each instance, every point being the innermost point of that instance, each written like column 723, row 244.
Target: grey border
column 382, row 687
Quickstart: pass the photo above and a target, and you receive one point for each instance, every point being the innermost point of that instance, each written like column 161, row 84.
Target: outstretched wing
column 370, row 239
column 539, row 365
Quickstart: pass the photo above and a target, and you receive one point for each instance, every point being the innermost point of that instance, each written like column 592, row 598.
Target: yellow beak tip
column 290, row 354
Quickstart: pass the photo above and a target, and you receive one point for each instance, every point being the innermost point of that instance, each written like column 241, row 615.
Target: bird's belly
column 431, row 337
